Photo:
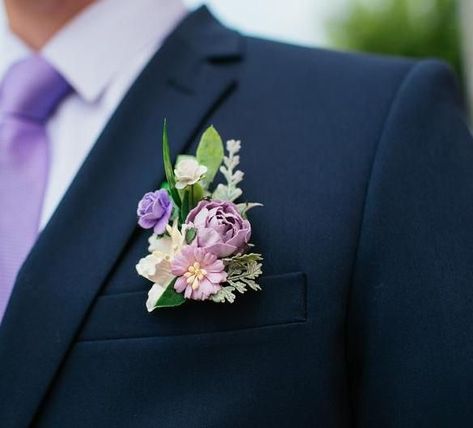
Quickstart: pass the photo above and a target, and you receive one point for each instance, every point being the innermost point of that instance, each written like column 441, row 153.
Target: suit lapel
column 194, row 69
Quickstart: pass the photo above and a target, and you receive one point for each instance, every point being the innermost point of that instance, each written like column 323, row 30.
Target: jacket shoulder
column 310, row 65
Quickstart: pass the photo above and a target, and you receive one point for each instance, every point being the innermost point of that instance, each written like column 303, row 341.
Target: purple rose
column 221, row 229
column 154, row 211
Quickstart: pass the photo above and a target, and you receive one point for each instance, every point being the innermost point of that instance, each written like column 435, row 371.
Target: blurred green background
column 413, row 28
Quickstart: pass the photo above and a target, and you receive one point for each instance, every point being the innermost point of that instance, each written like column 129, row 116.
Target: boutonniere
column 200, row 247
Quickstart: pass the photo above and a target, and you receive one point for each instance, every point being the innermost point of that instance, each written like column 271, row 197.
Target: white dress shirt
column 100, row 53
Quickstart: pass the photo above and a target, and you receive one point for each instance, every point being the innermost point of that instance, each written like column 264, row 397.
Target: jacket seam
column 382, row 133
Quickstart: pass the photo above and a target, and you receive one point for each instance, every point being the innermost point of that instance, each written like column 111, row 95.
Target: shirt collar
column 12, row 50
column 91, row 49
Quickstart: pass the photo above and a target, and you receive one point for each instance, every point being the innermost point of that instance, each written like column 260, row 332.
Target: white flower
column 154, row 294
column 188, row 172
column 169, row 245
column 159, row 243
column 157, row 266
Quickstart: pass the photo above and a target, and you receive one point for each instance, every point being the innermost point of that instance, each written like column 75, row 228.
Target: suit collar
column 196, row 67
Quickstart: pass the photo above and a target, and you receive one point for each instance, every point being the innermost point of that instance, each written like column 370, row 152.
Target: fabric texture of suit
column 365, row 169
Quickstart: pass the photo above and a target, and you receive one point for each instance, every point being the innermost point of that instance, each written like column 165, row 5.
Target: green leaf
column 175, row 209
column 170, row 298
column 210, row 154
column 190, row 197
column 191, row 233
column 186, row 203
column 168, row 168
column 197, row 194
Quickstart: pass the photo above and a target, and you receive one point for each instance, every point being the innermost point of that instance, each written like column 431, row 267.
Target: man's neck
column 36, row 21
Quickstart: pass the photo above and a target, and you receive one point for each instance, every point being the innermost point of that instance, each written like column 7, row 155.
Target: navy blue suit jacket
column 365, row 169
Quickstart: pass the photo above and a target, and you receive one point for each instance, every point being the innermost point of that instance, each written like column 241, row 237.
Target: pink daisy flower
column 199, row 273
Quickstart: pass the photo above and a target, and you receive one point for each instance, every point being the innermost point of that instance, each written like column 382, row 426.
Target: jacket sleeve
column 410, row 313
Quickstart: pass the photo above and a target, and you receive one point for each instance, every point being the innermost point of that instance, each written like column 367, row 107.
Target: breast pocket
column 120, row 316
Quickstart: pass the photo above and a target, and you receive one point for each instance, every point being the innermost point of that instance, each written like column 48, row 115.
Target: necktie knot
column 32, row 89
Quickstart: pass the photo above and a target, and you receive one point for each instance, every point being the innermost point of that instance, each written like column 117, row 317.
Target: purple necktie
column 30, row 92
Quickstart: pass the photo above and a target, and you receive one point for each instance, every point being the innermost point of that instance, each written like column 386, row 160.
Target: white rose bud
column 188, row 172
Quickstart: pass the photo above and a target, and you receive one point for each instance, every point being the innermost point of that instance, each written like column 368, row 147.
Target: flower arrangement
column 200, row 245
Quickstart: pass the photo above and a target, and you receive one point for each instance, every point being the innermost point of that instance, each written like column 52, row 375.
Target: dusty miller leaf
column 246, row 206
column 225, row 294
column 230, row 191
column 242, row 270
